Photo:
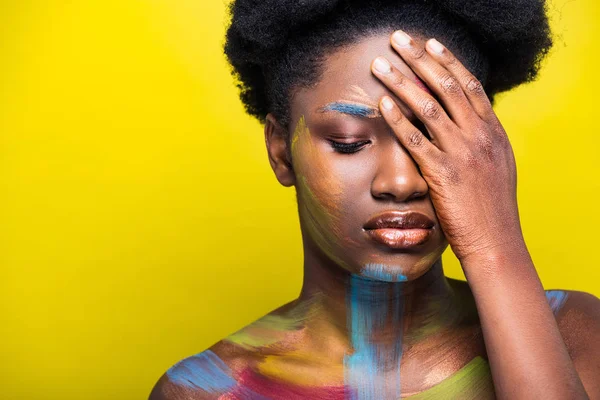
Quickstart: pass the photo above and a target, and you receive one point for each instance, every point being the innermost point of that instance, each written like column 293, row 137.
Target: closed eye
column 348, row 148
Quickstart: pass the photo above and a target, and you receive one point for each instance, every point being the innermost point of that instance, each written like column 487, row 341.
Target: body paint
column 473, row 381
column 251, row 382
column 372, row 360
column 422, row 85
column 205, row 371
column 268, row 330
column 303, row 369
column 383, row 272
column 273, row 328
column 556, row 299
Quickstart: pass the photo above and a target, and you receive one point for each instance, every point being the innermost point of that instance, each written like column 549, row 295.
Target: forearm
column 527, row 354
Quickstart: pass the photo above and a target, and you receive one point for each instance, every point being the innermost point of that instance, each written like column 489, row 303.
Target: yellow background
column 140, row 221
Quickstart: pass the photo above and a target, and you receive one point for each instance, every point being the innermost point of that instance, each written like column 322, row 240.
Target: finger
column 423, row 105
column 468, row 82
column 419, row 147
column 443, row 83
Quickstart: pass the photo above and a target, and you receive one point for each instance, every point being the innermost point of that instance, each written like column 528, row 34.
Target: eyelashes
column 348, row 148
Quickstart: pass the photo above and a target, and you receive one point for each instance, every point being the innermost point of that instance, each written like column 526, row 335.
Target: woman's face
column 342, row 189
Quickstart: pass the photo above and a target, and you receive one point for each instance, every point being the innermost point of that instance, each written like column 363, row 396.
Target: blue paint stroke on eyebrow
column 204, row 371
column 369, row 360
column 381, row 272
column 556, row 299
column 357, row 110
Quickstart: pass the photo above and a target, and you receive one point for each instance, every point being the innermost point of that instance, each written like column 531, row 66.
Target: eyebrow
column 353, row 109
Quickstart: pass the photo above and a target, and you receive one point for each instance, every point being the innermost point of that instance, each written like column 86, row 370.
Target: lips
column 400, row 230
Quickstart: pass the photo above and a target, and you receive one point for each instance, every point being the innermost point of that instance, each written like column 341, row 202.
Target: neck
column 370, row 324
column 398, row 311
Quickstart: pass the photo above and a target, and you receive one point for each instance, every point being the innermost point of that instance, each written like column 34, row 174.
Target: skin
column 373, row 322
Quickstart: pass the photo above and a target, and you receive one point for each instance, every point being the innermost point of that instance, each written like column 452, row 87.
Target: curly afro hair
column 276, row 46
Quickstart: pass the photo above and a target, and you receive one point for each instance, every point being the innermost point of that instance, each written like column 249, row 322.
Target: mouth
column 400, row 230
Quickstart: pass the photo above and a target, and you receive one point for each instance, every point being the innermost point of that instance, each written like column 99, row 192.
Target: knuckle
column 449, row 84
column 396, row 118
column 497, row 128
column 430, row 109
column 415, row 138
column 399, row 82
column 472, row 160
column 474, row 86
column 485, row 145
column 451, row 60
column 419, row 53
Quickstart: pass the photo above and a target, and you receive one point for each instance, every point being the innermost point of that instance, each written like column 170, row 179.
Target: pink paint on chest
column 254, row 386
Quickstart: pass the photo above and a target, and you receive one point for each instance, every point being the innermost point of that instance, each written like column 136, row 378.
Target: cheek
column 319, row 184
column 320, row 188
column 326, row 184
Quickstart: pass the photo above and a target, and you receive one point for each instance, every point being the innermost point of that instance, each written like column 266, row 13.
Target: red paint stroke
column 251, row 382
column 422, row 85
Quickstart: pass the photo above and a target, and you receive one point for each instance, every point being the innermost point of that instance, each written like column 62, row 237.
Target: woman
column 395, row 153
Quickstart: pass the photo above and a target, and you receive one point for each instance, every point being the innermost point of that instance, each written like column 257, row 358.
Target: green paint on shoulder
column 473, row 381
column 267, row 330
column 272, row 328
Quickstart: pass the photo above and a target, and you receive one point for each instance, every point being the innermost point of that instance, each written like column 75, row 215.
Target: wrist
column 491, row 242
column 514, row 249
column 504, row 266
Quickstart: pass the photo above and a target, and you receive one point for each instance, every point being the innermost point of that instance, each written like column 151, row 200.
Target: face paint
column 382, row 272
column 354, row 109
column 372, row 359
column 318, row 199
column 358, row 94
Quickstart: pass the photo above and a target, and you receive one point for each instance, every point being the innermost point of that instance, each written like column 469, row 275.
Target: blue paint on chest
column 204, row 371
column 364, row 367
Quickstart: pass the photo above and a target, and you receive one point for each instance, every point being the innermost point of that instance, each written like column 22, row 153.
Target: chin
column 400, row 269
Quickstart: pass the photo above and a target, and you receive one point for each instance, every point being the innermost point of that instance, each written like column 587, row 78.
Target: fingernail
column 401, row 38
column 387, row 103
column 435, row 46
column 382, row 65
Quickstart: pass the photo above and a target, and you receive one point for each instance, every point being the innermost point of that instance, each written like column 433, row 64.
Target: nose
column 397, row 176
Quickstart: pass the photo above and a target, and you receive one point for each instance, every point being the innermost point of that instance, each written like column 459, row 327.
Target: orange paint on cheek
column 323, row 187
column 319, row 191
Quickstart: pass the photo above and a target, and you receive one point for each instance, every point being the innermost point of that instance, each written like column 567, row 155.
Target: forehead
column 346, row 72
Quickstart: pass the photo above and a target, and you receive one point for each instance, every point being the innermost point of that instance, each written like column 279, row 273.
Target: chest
column 472, row 381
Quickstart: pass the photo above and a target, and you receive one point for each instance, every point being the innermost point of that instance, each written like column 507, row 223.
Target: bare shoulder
column 214, row 372
column 205, row 375
column 578, row 317
column 577, row 314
